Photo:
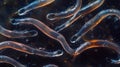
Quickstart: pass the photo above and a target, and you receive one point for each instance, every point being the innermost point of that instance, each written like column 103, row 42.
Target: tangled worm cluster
column 74, row 14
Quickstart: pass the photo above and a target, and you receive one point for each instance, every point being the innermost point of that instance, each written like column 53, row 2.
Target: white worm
column 93, row 23
column 83, row 11
column 67, row 13
column 6, row 59
column 26, row 49
column 17, row 34
column 34, row 5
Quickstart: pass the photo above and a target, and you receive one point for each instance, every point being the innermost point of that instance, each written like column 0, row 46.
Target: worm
column 34, row 5
column 47, row 31
column 97, row 43
column 115, row 61
column 26, row 49
column 57, row 36
column 83, row 11
column 17, row 34
column 89, row 25
column 67, row 13
column 6, row 59
column 50, row 65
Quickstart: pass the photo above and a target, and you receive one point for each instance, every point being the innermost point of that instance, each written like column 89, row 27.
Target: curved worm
column 6, row 59
column 83, row 11
column 115, row 61
column 67, row 13
column 34, row 5
column 97, row 43
column 47, row 31
column 93, row 23
column 50, row 65
column 17, row 34
column 57, row 36
column 26, row 49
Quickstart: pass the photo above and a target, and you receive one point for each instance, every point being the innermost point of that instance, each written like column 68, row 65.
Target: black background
column 108, row 29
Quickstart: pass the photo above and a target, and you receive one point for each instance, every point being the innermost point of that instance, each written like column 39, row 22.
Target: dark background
column 108, row 29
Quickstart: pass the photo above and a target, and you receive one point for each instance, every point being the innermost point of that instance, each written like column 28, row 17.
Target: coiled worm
column 17, row 34
column 93, row 23
column 34, row 5
column 6, row 59
column 67, row 13
column 26, row 49
column 83, row 11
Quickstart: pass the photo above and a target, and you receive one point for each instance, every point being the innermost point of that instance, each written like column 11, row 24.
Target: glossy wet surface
column 108, row 29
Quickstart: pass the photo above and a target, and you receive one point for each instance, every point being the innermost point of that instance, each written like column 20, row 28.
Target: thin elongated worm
column 6, row 59
column 115, row 61
column 34, row 5
column 17, row 34
column 47, row 31
column 50, row 65
column 67, row 13
column 93, row 23
column 97, row 43
column 26, row 49
column 83, row 11
column 56, row 36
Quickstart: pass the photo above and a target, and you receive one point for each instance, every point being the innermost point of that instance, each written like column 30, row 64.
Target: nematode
column 34, row 5
column 83, row 11
column 57, row 36
column 17, row 34
column 67, row 13
column 6, row 59
column 93, row 23
column 47, row 31
column 97, row 44
column 50, row 65
column 26, row 49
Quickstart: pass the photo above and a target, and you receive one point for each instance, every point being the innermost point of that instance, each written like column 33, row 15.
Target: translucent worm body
column 50, row 65
column 115, row 61
column 6, row 59
column 17, row 34
column 97, row 43
column 83, row 11
column 34, row 5
column 47, row 31
column 60, row 38
column 93, row 23
column 26, row 49
column 52, row 34
column 67, row 13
